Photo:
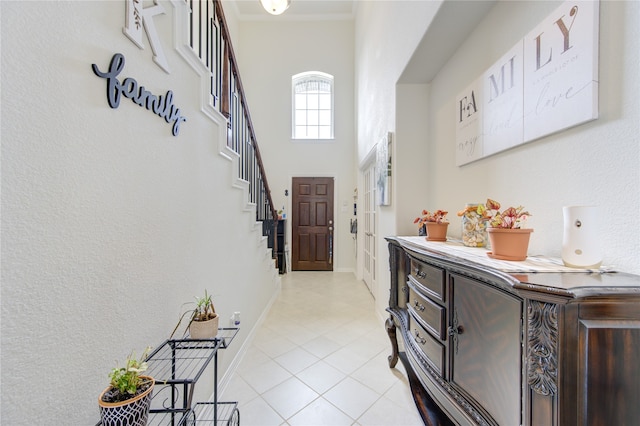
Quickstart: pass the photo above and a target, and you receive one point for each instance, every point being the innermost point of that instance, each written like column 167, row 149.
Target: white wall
column 595, row 163
column 270, row 52
column 109, row 223
column 387, row 33
column 412, row 150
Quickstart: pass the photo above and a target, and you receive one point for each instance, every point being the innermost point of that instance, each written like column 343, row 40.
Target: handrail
column 247, row 116
column 211, row 41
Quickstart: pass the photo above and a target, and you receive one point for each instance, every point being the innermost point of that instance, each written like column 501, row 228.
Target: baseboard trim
column 226, row 378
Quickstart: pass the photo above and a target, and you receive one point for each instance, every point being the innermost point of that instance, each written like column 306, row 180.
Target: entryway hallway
column 320, row 358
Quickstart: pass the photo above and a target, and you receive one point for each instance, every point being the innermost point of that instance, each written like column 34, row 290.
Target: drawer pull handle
column 420, row 274
column 455, row 329
column 418, row 306
column 458, row 330
column 420, row 340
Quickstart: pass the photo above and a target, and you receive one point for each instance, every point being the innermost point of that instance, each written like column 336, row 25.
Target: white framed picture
column 546, row 83
column 469, row 131
column 383, row 170
column 503, row 102
column 561, row 70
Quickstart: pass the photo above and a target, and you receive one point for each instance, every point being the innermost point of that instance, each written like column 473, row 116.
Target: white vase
column 581, row 247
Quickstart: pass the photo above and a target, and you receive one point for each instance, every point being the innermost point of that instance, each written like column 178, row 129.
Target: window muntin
column 312, row 105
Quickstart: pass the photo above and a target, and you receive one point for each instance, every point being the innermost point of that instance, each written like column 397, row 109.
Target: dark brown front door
column 312, row 224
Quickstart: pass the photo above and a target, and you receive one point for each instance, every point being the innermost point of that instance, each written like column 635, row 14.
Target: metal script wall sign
column 546, row 83
column 160, row 105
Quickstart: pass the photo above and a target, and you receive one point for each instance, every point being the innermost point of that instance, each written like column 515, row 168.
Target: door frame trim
column 364, row 164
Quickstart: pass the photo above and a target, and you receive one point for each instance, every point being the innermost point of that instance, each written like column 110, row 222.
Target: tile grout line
column 362, row 345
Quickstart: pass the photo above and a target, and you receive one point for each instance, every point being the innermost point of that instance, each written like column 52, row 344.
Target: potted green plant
column 126, row 401
column 435, row 223
column 203, row 319
column 507, row 233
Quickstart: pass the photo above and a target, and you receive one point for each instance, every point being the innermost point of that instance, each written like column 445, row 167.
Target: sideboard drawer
column 431, row 277
column 432, row 314
column 428, row 345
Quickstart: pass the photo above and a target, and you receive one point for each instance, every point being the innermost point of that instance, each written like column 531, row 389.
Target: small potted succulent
column 435, row 224
column 507, row 233
column 203, row 319
column 127, row 400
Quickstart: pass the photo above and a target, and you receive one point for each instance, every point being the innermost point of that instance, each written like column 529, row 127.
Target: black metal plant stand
column 176, row 365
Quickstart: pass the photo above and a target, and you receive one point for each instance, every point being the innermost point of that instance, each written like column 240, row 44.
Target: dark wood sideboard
column 482, row 346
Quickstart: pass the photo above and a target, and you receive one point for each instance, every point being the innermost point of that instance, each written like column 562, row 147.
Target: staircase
column 209, row 39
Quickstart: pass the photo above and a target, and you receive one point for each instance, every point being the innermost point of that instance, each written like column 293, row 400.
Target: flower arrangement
column 439, row 216
column 474, row 225
column 510, row 218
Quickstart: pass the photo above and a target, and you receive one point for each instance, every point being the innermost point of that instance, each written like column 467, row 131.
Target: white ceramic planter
column 204, row 329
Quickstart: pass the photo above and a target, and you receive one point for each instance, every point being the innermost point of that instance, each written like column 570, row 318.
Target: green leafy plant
column 126, row 381
column 203, row 311
column 439, row 216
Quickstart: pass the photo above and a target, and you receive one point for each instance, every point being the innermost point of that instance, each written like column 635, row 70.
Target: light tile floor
column 320, row 358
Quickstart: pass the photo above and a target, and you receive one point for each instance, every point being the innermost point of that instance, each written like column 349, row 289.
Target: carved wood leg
column 391, row 331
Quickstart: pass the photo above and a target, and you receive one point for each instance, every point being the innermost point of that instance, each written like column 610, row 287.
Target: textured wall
column 109, row 223
column 271, row 52
column 595, row 163
column 387, row 34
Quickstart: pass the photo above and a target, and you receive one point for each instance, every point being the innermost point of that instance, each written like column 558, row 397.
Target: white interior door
column 369, row 243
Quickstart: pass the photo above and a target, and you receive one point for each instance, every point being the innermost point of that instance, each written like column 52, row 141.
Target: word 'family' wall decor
column 546, row 83
column 160, row 105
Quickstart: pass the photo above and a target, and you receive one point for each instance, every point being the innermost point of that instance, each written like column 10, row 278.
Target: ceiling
column 451, row 25
column 299, row 10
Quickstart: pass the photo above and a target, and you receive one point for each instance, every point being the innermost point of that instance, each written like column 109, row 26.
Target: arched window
column 312, row 94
